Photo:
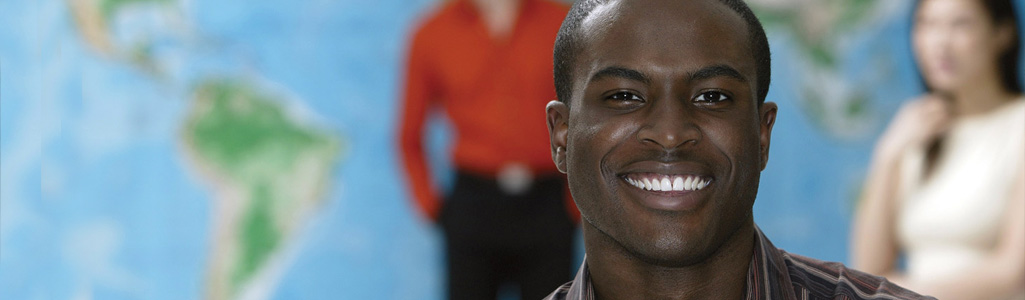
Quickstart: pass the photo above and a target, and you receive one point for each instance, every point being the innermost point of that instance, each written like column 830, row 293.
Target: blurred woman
column 946, row 188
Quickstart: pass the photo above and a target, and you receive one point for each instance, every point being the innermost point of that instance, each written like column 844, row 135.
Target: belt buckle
column 515, row 178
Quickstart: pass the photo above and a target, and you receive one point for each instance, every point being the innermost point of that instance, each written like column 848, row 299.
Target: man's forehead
column 608, row 13
column 661, row 33
column 600, row 19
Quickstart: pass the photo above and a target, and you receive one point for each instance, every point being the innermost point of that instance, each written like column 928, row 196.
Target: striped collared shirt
column 776, row 274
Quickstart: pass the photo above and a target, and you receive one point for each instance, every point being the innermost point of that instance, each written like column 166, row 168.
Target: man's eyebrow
column 621, row 72
column 716, row 71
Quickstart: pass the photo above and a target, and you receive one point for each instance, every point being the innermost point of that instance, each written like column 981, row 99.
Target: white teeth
column 670, row 183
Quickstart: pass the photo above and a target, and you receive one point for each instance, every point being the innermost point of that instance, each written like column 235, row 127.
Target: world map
column 256, row 150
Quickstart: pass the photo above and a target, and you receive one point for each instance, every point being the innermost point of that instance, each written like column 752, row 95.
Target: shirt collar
column 468, row 11
column 767, row 276
column 581, row 289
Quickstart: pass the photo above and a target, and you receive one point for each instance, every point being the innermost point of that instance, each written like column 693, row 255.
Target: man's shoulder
column 554, row 8
column 817, row 279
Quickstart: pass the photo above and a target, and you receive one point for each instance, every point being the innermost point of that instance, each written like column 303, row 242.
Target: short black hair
column 567, row 46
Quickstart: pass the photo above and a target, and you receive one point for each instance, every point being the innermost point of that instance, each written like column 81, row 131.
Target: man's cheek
column 619, row 132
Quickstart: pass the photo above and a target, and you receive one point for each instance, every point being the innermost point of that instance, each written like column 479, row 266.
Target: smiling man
column 662, row 129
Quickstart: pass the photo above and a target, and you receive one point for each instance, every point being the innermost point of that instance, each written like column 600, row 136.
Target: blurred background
column 143, row 141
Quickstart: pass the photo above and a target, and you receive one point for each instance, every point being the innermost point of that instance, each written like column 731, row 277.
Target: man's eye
column 712, row 97
column 625, row 96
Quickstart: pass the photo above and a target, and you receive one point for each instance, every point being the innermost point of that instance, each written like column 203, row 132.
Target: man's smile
column 667, row 186
column 667, row 183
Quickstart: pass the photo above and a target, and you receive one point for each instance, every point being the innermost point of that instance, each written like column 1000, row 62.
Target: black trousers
column 493, row 238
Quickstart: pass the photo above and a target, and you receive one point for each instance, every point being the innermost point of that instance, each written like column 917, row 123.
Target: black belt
column 485, row 185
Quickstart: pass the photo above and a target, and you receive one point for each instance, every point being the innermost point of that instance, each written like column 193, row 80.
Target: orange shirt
column 493, row 91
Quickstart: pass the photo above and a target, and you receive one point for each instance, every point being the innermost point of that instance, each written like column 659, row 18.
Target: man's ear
column 558, row 127
column 767, row 115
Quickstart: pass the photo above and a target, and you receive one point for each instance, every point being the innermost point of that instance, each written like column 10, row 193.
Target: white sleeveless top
column 950, row 220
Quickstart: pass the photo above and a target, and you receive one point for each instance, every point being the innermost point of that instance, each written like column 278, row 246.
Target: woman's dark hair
column 1002, row 12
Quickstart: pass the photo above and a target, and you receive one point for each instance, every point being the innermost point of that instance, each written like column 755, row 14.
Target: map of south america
column 268, row 173
column 267, row 167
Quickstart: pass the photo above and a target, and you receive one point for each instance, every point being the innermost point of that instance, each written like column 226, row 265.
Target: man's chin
column 673, row 250
column 673, row 256
column 670, row 243
column 676, row 245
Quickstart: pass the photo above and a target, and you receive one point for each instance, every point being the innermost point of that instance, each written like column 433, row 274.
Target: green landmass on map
column 837, row 103
column 110, row 7
column 820, row 47
column 247, row 140
column 246, row 134
column 268, row 169
column 93, row 20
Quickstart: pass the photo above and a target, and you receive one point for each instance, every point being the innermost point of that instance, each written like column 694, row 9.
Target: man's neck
column 618, row 274
column 499, row 15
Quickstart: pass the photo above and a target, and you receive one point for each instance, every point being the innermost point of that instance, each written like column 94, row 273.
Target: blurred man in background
column 487, row 64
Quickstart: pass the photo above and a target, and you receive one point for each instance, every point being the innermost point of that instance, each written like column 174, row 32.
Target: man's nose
column 671, row 124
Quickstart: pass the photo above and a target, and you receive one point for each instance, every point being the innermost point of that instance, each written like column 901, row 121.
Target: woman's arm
column 874, row 246
column 873, row 235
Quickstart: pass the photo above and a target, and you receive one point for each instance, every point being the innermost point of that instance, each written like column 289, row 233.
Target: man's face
column 664, row 140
